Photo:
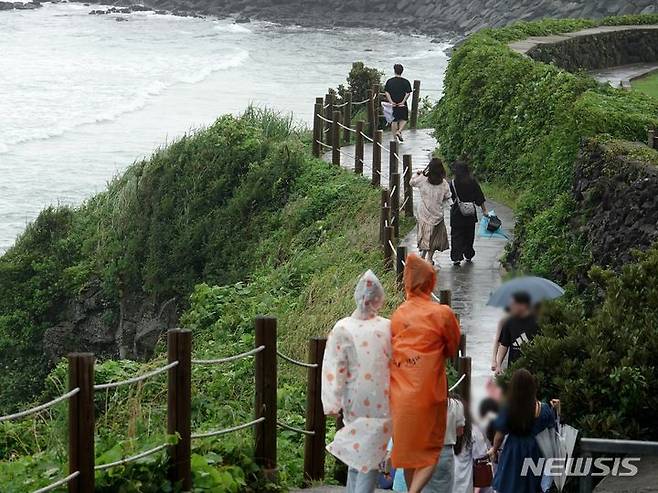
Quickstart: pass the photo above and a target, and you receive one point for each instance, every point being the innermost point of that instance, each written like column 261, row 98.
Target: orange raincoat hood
column 419, row 277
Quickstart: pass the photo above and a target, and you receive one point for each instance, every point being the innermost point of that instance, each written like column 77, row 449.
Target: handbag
column 482, row 473
column 466, row 208
column 494, row 224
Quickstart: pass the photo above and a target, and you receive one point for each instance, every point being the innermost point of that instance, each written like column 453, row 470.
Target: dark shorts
column 400, row 113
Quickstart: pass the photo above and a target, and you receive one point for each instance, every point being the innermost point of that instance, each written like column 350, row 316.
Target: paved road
column 624, row 73
column 471, row 284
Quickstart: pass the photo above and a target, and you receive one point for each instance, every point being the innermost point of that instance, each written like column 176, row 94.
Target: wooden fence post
column 377, row 105
column 328, row 114
column 358, row 154
column 461, row 349
column 395, row 204
column 465, row 386
column 392, row 162
column 407, row 170
column 335, row 139
column 413, row 122
column 384, row 217
column 347, row 118
column 266, row 382
column 388, row 247
column 179, row 406
column 652, row 140
column 445, row 297
column 315, row 420
column 317, row 127
column 371, row 113
column 400, row 261
column 81, row 422
column 377, row 158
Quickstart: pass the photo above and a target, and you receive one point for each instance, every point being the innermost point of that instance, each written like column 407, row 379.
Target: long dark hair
column 462, row 172
column 466, row 439
column 521, row 402
column 435, row 171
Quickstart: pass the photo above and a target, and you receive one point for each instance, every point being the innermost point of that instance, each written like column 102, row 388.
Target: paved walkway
column 471, row 284
column 623, row 75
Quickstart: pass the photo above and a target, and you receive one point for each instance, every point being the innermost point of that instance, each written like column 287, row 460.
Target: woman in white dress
column 355, row 379
column 434, row 194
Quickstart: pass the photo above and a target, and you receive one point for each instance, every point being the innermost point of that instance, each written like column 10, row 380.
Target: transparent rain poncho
column 355, row 378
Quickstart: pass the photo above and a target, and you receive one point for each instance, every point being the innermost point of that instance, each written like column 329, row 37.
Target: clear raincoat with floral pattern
column 355, row 378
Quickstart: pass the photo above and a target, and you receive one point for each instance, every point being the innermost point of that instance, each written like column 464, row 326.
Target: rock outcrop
column 426, row 16
column 616, row 186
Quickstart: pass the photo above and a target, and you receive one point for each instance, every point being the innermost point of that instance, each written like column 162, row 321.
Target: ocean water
column 83, row 96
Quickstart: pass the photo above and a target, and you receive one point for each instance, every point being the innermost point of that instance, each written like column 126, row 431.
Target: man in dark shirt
column 398, row 89
column 519, row 328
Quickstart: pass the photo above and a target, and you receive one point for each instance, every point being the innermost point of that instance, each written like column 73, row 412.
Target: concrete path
column 471, row 284
column 623, row 75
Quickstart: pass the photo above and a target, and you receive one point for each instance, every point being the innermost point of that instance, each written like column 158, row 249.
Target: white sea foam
column 232, row 28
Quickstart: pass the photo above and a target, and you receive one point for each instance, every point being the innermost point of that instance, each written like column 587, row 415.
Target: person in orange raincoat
column 424, row 333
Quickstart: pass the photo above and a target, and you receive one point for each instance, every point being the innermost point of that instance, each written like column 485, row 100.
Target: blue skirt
column 508, row 477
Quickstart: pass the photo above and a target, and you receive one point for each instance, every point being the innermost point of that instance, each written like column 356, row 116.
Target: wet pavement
column 621, row 76
column 471, row 284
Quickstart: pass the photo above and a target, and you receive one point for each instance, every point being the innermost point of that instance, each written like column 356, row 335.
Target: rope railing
column 133, row 458
column 295, row 362
column 232, row 429
column 137, row 379
column 41, row 407
column 457, row 383
column 346, row 127
column 323, row 144
column 295, row 430
column 366, row 137
column 235, row 357
column 59, row 483
column 403, row 204
column 324, row 119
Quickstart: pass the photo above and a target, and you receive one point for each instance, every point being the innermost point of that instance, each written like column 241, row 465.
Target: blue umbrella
column 538, row 288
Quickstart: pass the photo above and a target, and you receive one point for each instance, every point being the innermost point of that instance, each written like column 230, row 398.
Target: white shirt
column 432, row 199
column 456, row 419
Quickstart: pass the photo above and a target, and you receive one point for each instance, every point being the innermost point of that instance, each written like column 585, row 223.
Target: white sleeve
column 416, row 179
column 460, row 418
column 334, row 369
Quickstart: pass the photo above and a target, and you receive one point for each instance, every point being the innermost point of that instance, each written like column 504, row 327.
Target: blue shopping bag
column 484, row 231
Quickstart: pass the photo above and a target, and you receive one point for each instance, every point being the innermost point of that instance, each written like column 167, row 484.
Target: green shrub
column 521, row 123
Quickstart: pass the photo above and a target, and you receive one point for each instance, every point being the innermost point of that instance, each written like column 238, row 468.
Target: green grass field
column 648, row 85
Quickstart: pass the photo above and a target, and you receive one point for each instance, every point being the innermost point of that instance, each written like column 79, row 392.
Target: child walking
column 355, row 379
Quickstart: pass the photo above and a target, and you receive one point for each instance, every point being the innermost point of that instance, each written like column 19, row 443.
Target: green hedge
column 522, row 123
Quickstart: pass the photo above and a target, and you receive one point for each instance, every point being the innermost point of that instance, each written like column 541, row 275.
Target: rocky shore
column 430, row 17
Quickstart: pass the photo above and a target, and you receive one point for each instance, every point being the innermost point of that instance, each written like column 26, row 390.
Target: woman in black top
column 464, row 189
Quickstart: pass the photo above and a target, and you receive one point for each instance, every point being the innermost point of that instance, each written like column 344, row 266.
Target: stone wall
column 603, row 48
column 616, row 186
column 426, row 16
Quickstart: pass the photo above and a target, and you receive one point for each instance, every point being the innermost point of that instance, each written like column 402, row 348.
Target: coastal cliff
column 425, row 16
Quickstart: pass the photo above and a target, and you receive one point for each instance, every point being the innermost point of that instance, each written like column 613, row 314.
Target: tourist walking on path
column 398, row 89
column 355, row 379
column 517, row 329
column 466, row 195
column 521, row 419
column 424, row 334
column 434, row 194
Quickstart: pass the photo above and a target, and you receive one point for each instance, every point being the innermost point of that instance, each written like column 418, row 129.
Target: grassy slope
column 647, row 85
column 292, row 236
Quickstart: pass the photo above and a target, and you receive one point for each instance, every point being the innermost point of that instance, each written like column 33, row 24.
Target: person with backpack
column 466, row 196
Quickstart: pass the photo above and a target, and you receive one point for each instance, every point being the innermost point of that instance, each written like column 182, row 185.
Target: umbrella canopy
column 538, row 288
